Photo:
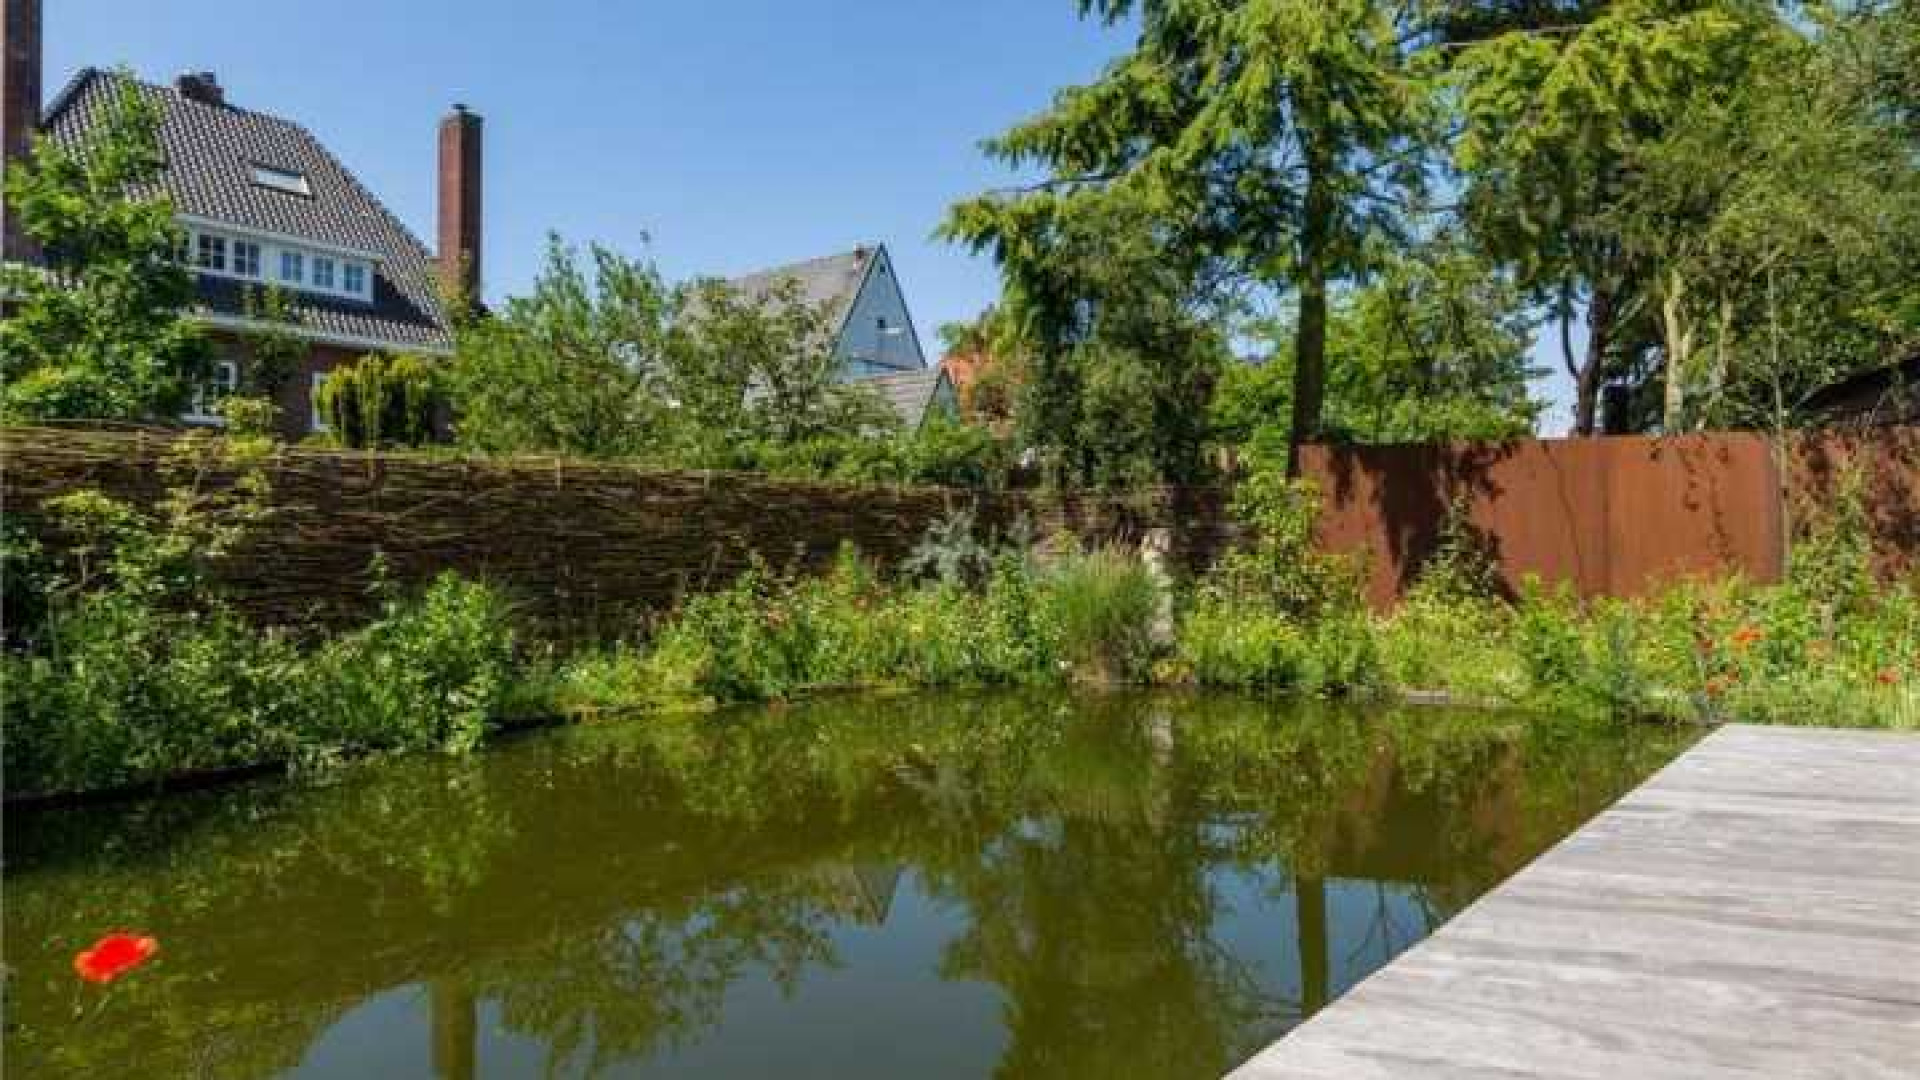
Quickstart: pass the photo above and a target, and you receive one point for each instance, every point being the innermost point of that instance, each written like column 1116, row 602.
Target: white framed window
column 220, row 384
column 286, row 180
column 210, row 251
column 353, row 278
column 316, row 421
column 293, row 267
column 322, row 272
column 246, row 258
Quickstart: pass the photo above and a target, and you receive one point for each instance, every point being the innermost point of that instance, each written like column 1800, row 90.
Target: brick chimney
column 19, row 106
column 200, row 86
column 459, row 241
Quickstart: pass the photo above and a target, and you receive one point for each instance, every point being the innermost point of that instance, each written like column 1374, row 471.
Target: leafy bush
column 380, row 401
column 430, row 673
column 1224, row 645
column 1104, row 603
column 124, row 692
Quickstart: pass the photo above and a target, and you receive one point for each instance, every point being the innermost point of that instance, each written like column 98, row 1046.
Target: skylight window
column 292, row 183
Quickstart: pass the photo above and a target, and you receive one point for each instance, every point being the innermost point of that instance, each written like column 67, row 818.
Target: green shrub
column 433, row 672
column 1229, row 646
column 1104, row 603
column 122, row 691
column 380, row 401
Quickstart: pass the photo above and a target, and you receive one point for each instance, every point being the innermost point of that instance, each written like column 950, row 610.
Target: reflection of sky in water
column 1002, row 892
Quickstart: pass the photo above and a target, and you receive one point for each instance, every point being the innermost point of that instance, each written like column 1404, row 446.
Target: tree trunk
column 1310, row 334
column 1310, row 936
column 1679, row 349
column 456, row 1029
column 1586, row 390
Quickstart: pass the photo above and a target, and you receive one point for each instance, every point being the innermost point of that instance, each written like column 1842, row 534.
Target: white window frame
column 349, row 268
column 254, row 252
column 225, row 244
column 210, row 252
column 226, row 378
column 331, row 266
column 285, row 181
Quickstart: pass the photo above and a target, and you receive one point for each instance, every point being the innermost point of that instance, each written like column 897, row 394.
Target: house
column 262, row 203
column 873, row 333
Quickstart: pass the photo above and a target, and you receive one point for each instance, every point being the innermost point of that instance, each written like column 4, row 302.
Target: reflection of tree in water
column 1100, row 937
column 606, row 888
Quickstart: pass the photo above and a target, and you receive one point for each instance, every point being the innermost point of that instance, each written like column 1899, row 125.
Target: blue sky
column 715, row 137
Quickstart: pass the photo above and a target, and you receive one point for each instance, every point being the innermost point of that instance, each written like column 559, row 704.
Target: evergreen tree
column 1267, row 140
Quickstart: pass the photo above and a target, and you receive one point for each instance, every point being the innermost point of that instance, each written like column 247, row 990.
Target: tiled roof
column 830, row 283
column 912, row 394
column 211, row 151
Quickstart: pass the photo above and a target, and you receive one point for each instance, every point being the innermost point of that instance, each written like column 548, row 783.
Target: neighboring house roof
column 1884, row 395
column 835, row 285
column 914, row 395
column 830, row 283
column 211, row 152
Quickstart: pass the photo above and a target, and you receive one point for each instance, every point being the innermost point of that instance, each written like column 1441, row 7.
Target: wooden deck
column 1751, row 911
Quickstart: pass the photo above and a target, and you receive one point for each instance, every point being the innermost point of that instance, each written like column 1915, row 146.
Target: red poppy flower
column 1718, row 685
column 113, row 956
column 1888, row 676
column 1747, row 635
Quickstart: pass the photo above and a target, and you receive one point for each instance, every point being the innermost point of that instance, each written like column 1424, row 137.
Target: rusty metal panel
column 1691, row 506
column 1612, row 516
column 1887, row 461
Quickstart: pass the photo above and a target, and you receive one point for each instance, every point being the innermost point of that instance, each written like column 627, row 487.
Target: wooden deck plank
column 1753, row 910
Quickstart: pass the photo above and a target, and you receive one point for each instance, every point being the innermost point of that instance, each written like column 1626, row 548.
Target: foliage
column 1280, row 565
column 271, row 351
column 1797, row 269
column 1117, row 352
column 380, row 400
column 1434, row 347
column 101, row 331
column 431, row 671
column 137, row 669
column 565, row 369
column 1269, row 141
column 606, row 359
column 762, row 368
column 1105, row 603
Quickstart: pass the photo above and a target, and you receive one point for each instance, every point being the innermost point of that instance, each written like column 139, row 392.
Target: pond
column 928, row 886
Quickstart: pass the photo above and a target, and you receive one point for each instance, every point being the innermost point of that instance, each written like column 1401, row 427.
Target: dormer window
column 322, row 272
column 285, row 180
column 353, row 278
column 293, row 267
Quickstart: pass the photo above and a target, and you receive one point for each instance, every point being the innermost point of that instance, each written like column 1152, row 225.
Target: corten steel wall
column 572, row 540
column 1610, row 516
column 1887, row 462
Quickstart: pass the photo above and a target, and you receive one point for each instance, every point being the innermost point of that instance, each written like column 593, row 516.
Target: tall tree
column 1803, row 265
column 1553, row 104
column 103, row 329
column 1270, row 138
column 1435, row 346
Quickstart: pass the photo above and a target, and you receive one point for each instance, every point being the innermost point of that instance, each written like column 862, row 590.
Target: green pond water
column 1005, row 886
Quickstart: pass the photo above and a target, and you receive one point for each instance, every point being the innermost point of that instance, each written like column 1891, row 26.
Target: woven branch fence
column 572, row 540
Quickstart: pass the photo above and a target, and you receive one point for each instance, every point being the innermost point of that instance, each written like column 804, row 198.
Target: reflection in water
column 1014, row 886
